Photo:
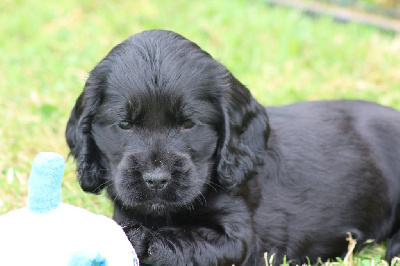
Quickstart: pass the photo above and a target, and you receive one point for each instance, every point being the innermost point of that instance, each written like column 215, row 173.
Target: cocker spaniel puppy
column 201, row 174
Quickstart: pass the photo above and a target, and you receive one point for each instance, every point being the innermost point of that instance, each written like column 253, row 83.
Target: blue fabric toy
column 48, row 232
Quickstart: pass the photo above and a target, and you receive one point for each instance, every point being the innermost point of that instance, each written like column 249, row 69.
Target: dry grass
column 349, row 260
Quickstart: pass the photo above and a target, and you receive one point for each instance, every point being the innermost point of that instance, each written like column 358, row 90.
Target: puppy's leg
column 219, row 242
column 393, row 248
column 198, row 246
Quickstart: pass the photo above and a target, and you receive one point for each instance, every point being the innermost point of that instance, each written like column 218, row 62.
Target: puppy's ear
column 246, row 131
column 80, row 140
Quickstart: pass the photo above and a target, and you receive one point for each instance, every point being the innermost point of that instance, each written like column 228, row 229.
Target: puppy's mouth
column 158, row 207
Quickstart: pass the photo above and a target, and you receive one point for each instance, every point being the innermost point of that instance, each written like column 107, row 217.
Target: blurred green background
column 47, row 49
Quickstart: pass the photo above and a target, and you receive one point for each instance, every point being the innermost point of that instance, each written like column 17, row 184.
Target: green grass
column 47, row 49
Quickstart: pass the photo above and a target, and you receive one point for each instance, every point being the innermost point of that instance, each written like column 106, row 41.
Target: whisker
column 213, row 185
column 201, row 196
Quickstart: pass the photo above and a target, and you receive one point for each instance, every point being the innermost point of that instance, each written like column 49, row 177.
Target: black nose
column 157, row 179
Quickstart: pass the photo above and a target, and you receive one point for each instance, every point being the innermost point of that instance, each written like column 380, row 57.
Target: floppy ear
column 80, row 140
column 246, row 132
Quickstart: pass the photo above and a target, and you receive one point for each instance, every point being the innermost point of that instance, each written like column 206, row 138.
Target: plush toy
column 48, row 232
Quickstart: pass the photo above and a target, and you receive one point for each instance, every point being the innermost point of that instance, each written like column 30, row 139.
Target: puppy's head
column 159, row 122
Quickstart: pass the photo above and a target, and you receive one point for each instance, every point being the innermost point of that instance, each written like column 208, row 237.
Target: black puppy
column 200, row 175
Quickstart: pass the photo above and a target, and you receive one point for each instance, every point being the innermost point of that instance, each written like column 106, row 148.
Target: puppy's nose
column 157, row 179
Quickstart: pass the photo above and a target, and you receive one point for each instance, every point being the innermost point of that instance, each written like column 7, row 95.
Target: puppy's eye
column 124, row 124
column 187, row 124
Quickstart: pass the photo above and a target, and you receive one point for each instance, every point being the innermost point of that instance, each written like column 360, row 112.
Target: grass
column 367, row 257
column 47, row 49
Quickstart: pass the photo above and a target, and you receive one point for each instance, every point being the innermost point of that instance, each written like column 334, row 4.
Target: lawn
column 47, row 49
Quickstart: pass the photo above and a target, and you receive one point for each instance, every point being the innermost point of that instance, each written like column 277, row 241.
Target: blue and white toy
column 48, row 232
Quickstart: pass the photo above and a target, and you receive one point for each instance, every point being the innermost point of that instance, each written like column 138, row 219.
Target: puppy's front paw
column 140, row 237
column 166, row 251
